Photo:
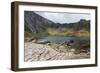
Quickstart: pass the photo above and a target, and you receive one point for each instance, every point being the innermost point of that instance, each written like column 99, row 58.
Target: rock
column 42, row 52
column 72, row 50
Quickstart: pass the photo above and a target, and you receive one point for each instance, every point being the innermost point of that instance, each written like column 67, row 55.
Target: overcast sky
column 64, row 17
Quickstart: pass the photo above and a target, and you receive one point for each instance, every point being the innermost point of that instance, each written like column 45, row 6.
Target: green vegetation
column 57, row 32
column 53, row 31
column 27, row 34
column 84, row 44
column 67, row 32
column 83, row 32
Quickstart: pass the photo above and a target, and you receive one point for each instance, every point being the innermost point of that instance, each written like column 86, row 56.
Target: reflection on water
column 59, row 39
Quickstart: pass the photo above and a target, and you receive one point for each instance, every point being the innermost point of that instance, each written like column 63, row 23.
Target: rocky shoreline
column 45, row 52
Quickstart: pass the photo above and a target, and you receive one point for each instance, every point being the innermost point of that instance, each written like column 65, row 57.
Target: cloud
column 63, row 17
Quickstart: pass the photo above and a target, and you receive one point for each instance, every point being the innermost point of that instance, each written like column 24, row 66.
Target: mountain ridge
column 36, row 24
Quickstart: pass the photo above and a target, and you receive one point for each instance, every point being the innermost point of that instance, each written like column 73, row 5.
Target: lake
column 59, row 39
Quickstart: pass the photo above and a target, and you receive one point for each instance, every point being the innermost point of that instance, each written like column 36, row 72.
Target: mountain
column 82, row 24
column 35, row 24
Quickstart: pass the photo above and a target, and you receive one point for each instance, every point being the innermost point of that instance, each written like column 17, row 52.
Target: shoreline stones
column 42, row 52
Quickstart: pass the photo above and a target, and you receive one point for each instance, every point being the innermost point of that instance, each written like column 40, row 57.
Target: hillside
column 36, row 26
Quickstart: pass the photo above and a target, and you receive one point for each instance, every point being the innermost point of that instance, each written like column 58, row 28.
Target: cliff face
column 35, row 23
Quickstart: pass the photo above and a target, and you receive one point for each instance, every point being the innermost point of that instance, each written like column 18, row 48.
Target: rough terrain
column 45, row 52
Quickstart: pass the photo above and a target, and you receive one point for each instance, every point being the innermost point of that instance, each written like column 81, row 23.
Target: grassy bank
column 67, row 32
column 57, row 32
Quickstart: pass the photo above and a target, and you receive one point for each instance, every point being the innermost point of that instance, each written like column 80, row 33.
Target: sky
column 63, row 17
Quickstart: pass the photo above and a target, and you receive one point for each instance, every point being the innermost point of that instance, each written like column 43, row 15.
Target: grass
column 27, row 34
column 83, row 32
column 57, row 32
column 67, row 32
